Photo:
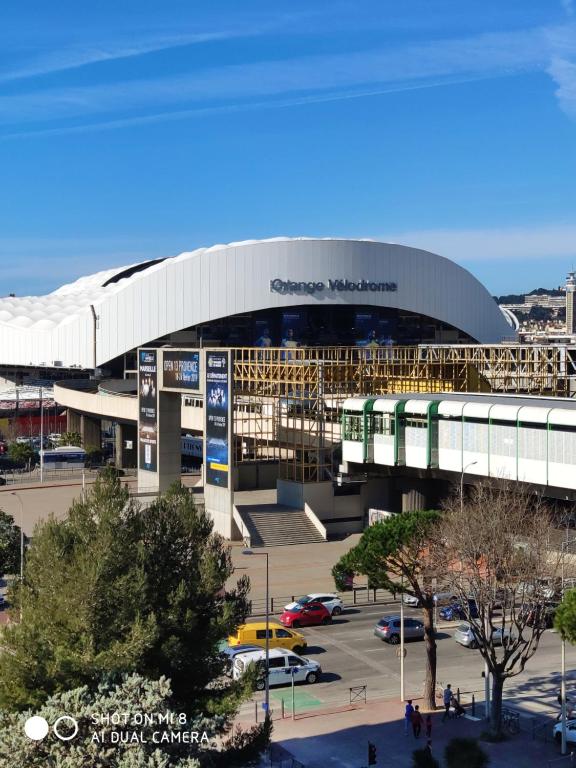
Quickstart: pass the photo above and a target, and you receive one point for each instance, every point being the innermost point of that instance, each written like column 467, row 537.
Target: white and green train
column 530, row 439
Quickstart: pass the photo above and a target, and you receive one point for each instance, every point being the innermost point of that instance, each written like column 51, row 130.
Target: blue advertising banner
column 217, row 419
column 181, row 370
column 147, row 409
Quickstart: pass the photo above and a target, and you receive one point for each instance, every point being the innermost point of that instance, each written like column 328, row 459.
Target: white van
column 281, row 665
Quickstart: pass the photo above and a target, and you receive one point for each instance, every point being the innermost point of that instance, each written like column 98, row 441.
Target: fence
column 356, row 596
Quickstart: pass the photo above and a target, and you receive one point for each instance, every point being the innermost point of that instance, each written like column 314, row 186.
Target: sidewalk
column 339, row 738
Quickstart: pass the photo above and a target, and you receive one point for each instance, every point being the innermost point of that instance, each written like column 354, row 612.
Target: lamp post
column 563, row 547
column 266, row 681
column 486, row 627
column 402, row 648
column 13, row 493
column 471, row 464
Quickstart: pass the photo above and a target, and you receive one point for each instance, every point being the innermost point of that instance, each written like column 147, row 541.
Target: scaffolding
column 287, row 402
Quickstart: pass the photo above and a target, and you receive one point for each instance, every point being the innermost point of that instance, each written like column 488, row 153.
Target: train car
column 562, row 448
column 533, row 444
column 420, row 421
column 65, row 457
column 450, row 435
column 388, row 438
column 503, row 441
column 357, row 428
column 475, row 438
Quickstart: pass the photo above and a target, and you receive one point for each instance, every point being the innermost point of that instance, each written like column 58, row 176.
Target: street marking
column 355, row 654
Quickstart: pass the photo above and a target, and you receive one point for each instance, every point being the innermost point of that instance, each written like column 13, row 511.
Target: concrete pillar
column 126, row 447
column 169, row 447
column 416, row 494
column 73, row 421
column 91, row 432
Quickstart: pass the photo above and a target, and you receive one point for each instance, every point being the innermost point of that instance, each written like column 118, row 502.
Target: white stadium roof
column 142, row 302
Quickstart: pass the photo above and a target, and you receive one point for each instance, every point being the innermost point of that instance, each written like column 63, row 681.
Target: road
column 351, row 655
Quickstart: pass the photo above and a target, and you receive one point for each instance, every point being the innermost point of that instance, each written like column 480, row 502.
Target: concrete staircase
column 275, row 525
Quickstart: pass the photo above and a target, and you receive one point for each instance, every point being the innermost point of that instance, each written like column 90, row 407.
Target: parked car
column 570, row 732
column 456, row 611
column 440, row 598
column 332, row 602
column 467, row 636
column 306, row 615
column 281, row 664
column 388, row 629
column 230, row 652
column 279, row 637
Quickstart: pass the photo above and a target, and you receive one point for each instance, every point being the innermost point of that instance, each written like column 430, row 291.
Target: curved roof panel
column 139, row 303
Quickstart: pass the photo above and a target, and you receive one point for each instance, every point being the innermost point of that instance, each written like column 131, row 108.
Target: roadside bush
column 465, row 752
column 421, row 758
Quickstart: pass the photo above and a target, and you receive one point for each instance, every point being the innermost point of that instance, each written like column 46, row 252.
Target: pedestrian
column 447, row 699
column 428, row 726
column 416, row 722
column 408, row 716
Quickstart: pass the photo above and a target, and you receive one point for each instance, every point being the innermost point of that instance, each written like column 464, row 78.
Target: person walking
column 428, row 726
column 417, row 721
column 408, row 716
column 447, row 699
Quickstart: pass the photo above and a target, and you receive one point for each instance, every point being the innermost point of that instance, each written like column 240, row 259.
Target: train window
column 383, row 424
column 353, row 427
column 416, row 423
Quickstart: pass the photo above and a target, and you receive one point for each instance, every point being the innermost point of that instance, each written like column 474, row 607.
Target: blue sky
column 132, row 130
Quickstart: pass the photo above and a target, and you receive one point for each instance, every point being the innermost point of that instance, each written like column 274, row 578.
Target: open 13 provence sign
column 181, row 370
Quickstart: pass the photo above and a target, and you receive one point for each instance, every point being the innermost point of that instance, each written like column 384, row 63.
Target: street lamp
column 563, row 546
column 266, row 681
column 471, row 464
column 13, row 493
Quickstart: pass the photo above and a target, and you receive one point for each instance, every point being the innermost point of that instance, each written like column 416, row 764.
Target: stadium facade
column 279, row 292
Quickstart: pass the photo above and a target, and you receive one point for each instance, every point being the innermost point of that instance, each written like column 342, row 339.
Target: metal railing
column 356, row 596
column 563, row 762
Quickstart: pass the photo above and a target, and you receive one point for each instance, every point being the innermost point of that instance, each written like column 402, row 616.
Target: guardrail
column 356, row 596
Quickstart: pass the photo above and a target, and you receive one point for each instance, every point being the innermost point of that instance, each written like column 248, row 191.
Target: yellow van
column 279, row 637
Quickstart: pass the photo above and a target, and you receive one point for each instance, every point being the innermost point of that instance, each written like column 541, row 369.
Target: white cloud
column 507, row 244
column 487, row 55
column 563, row 73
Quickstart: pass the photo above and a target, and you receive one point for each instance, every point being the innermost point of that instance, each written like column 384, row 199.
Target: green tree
column 565, row 617
column 99, row 742
column 70, row 438
column 116, row 588
column 94, row 455
column 9, row 545
column 22, row 452
column 466, row 752
column 394, row 555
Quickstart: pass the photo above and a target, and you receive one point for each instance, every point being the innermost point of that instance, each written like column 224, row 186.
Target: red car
column 306, row 615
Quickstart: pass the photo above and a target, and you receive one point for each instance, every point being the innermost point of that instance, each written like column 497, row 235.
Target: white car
column 332, row 603
column 570, row 732
column 440, row 598
column 466, row 636
column 282, row 667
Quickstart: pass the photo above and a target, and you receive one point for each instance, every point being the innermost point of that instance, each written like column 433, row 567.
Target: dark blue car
column 456, row 611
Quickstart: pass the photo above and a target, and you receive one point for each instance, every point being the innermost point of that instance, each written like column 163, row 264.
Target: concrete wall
column 252, row 477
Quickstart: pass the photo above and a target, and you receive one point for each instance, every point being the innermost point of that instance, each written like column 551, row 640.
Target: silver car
column 388, row 629
column 468, row 637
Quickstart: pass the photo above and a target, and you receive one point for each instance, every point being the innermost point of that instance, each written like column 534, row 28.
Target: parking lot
column 351, row 656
